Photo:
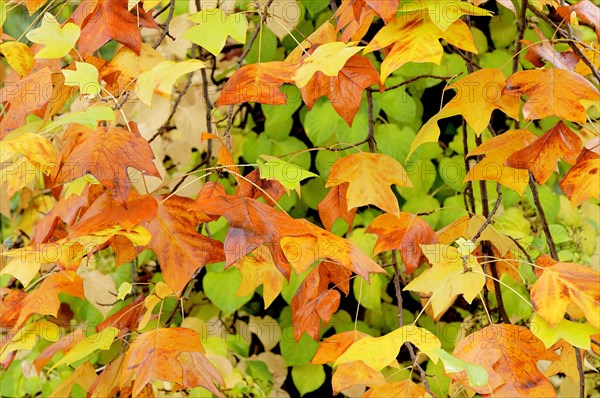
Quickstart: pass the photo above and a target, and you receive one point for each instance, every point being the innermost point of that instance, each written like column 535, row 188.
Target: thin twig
column 542, row 215
column 165, row 31
column 408, row 345
column 522, row 21
column 371, row 132
column 414, row 79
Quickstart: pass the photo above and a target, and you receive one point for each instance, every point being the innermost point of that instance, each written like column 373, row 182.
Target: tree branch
column 165, row 31
column 542, row 214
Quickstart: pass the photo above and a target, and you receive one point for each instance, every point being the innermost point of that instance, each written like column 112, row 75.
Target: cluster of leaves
column 189, row 187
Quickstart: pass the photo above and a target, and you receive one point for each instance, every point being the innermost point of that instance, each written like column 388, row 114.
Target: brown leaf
column 581, row 182
column 106, row 153
column 334, row 206
column 545, row 51
column 587, row 11
column 255, row 187
column 258, row 82
column 405, row 233
column 509, row 354
column 345, row 91
column 180, row 249
column 102, row 20
column 553, row 92
column 540, row 157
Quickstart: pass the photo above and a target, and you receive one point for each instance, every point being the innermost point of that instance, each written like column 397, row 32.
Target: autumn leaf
column 566, row 363
column 553, row 92
column 335, row 206
column 586, row 11
column 328, row 59
column 99, row 341
column 545, row 51
column 355, row 16
column 107, row 153
column 254, row 186
column 164, row 354
column 83, row 376
column 370, row 176
column 259, row 82
column 214, row 26
column 344, row 90
column 258, row 269
column 415, row 37
column 405, row 233
column 315, row 301
column 509, row 354
column 334, row 346
column 575, row 333
column 477, row 96
column 102, row 20
column 540, row 156
column 162, row 77
column 446, row 13
column 57, row 40
column 379, row 352
column 19, row 56
column 565, row 283
column 452, row 273
column 14, row 93
column 406, row 388
column 349, row 374
column 44, row 299
column 580, row 182
column 496, row 151
column 181, row 251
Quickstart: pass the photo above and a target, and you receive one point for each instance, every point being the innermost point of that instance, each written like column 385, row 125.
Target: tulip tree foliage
column 255, row 198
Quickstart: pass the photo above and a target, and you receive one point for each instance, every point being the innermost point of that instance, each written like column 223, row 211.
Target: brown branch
column 165, row 31
column 522, row 21
column 542, row 215
column 371, row 132
column 414, row 79
column 408, row 345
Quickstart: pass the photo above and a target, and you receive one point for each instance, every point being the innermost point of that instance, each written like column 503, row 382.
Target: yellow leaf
column 162, row 77
column 451, row 275
column 328, row 58
column 86, row 77
column 575, row 333
column 99, row 341
column 124, row 290
column 379, row 352
column 29, row 336
column 19, row 56
column 58, row 40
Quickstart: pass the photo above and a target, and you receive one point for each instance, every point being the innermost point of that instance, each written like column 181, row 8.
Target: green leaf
column 85, row 77
column 575, row 333
column 89, row 117
column 477, row 374
column 288, row 174
column 516, row 307
column 308, row 378
column 221, row 288
column 124, row 290
column 58, row 40
column 99, row 341
column 214, row 26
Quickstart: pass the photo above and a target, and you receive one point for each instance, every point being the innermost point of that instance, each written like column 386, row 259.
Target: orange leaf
column 354, row 19
column 258, row 269
column 496, row 151
column 164, row 354
column 180, row 249
column 540, row 157
column 259, row 82
column 565, row 283
column 106, row 153
column 253, row 186
column 509, row 354
column 405, row 233
column 370, row 176
column 44, row 299
column 332, row 347
column 581, row 182
column 344, row 90
column 545, row 51
column 102, row 20
column 21, row 103
column 566, row 363
column 406, row 389
column 334, row 206
column 553, row 92
column 355, row 372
